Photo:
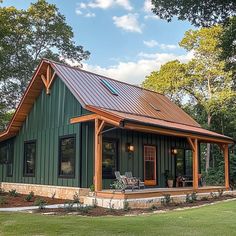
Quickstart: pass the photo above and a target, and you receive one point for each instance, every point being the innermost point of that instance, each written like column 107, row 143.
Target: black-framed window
column 67, row 153
column 109, row 158
column 10, row 157
column 3, row 153
column 29, row 158
column 6, row 157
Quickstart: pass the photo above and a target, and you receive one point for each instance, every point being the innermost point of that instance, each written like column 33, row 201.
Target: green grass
column 219, row 219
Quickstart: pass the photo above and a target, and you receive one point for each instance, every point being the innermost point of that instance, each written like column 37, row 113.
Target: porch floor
column 154, row 192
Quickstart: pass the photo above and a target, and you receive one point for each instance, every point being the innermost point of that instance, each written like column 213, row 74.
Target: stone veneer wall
column 60, row 192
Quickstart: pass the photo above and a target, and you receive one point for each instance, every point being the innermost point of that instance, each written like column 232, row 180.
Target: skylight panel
column 109, row 87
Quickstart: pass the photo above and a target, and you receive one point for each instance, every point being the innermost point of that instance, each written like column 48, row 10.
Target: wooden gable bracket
column 48, row 79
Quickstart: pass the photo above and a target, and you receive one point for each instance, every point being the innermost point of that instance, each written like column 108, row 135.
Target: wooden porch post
column 98, row 155
column 195, row 164
column 226, row 159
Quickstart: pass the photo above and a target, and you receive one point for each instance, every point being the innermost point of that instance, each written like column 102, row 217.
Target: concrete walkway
column 15, row 209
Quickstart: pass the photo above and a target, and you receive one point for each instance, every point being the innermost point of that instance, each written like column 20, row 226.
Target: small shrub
column 84, row 209
column 126, row 206
column 13, row 193
column 213, row 195
column 68, row 205
column 92, row 188
column 188, row 198
column 220, row 192
column 29, row 197
column 76, row 199
column 41, row 203
column 153, row 207
column 3, row 200
column 194, row 196
column 166, row 200
column 53, row 195
column 117, row 185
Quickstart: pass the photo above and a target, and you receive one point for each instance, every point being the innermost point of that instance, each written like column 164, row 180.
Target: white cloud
column 153, row 43
column 105, row 4
column 89, row 15
column 78, row 12
column 147, row 7
column 134, row 72
column 150, row 43
column 128, row 22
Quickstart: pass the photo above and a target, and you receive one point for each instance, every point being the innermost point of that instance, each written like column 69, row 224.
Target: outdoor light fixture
column 174, row 151
column 129, row 147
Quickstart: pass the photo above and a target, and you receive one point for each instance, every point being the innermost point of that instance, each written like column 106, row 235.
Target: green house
column 74, row 128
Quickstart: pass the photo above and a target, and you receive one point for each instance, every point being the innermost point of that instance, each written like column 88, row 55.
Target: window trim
column 24, row 166
column 59, row 157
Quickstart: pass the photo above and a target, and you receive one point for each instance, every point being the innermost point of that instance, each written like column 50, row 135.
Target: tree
column 228, row 45
column 27, row 36
column 202, row 81
column 199, row 13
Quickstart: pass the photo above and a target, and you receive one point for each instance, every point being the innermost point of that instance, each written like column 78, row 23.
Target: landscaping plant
column 41, row 203
column 13, row 193
column 29, row 197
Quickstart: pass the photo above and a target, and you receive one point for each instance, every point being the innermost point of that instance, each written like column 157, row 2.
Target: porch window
column 109, row 159
column 184, row 163
column 29, row 158
column 10, row 156
column 67, row 152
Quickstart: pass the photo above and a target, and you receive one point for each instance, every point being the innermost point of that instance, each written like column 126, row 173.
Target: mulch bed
column 19, row 201
column 98, row 211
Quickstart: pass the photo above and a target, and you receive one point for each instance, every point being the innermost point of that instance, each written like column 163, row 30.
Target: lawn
column 219, row 219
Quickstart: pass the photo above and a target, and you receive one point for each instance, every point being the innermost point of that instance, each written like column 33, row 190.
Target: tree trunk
column 208, row 153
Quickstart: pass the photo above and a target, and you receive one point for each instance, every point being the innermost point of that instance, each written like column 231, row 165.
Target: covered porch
column 105, row 122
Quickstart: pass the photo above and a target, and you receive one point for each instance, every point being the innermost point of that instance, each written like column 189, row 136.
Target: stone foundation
column 60, row 192
column 142, row 202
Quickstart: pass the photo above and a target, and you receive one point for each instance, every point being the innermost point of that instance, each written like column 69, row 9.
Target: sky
column 126, row 40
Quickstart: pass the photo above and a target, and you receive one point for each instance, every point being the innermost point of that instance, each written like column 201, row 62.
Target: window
column 109, row 87
column 9, row 162
column 184, row 163
column 67, row 152
column 3, row 153
column 29, row 158
column 109, row 159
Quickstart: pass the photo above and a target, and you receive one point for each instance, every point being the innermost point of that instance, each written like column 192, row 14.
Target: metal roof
column 132, row 99
column 129, row 103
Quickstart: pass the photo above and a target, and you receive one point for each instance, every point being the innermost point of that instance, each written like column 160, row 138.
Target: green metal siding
column 47, row 121
column 135, row 162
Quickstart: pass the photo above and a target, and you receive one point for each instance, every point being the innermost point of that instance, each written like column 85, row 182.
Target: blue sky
column 126, row 40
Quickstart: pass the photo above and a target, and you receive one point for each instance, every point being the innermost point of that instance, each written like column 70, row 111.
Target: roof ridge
column 106, row 77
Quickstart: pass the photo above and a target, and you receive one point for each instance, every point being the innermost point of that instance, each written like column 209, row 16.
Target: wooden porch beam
column 98, row 155
column 226, row 159
column 84, row 118
column 195, row 165
column 191, row 143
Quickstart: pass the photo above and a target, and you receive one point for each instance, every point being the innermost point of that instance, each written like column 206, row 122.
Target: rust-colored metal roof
column 131, row 102
column 89, row 90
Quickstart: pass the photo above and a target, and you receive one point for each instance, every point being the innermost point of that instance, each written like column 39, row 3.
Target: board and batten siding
column 135, row 161
column 47, row 121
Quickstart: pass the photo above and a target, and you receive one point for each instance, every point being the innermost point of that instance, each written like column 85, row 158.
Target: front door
column 150, row 165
